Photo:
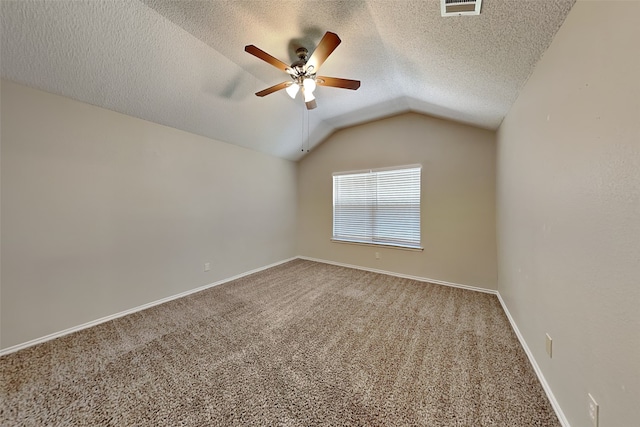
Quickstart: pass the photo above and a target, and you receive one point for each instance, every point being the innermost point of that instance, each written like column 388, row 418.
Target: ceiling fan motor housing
column 299, row 65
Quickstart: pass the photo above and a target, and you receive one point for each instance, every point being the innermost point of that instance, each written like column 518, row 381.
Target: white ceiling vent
column 460, row 7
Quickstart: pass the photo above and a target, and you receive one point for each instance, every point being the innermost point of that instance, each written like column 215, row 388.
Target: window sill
column 379, row 245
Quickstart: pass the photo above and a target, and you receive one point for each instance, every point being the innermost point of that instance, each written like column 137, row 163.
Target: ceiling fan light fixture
column 308, row 95
column 309, row 84
column 292, row 90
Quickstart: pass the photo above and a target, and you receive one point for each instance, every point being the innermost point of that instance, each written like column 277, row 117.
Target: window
column 380, row 206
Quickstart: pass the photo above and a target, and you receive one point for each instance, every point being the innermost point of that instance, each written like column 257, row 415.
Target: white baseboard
column 54, row 335
column 545, row 385
column 405, row 276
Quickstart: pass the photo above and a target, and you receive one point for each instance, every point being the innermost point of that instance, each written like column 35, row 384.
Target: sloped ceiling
column 182, row 63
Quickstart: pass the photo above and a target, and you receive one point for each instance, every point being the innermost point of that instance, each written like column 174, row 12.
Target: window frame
column 374, row 211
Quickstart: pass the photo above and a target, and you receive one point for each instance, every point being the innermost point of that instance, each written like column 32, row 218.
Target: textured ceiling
column 182, row 63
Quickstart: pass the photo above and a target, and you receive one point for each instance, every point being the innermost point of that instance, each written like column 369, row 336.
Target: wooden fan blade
column 328, row 44
column 311, row 104
column 336, row 82
column 273, row 88
column 259, row 53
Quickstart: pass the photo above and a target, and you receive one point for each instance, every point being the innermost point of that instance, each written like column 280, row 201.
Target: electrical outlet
column 549, row 345
column 377, row 255
column 594, row 410
column 207, row 266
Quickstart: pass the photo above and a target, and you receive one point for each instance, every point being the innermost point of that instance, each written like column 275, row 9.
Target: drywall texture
column 103, row 212
column 458, row 197
column 569, row 212
column 178, row 62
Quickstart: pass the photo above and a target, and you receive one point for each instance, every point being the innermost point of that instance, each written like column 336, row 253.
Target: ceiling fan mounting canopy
column 303, row 71
column 302, row 53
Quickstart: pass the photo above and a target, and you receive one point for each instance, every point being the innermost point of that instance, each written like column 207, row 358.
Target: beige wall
column 102, row 212
column 569, row 212
column 458, row 197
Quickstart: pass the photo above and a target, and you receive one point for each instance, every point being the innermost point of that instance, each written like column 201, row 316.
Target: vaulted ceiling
column 182, row 63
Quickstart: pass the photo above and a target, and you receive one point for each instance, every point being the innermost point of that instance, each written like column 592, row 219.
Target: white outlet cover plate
column 549, row 345
column 593, row 410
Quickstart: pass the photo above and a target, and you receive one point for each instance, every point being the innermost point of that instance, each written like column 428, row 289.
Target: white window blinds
column 378, row 206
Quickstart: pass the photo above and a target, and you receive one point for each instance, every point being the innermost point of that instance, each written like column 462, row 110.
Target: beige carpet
column 300, row 344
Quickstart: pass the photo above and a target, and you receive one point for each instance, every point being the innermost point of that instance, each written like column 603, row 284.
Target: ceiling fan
column 303, row 71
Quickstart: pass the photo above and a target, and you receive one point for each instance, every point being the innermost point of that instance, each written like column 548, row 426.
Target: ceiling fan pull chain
column 308, row 131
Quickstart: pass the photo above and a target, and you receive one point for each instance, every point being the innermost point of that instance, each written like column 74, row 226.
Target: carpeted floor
column 300, row 344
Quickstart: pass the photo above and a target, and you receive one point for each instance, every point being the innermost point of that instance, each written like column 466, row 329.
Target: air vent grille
column 460, row 7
